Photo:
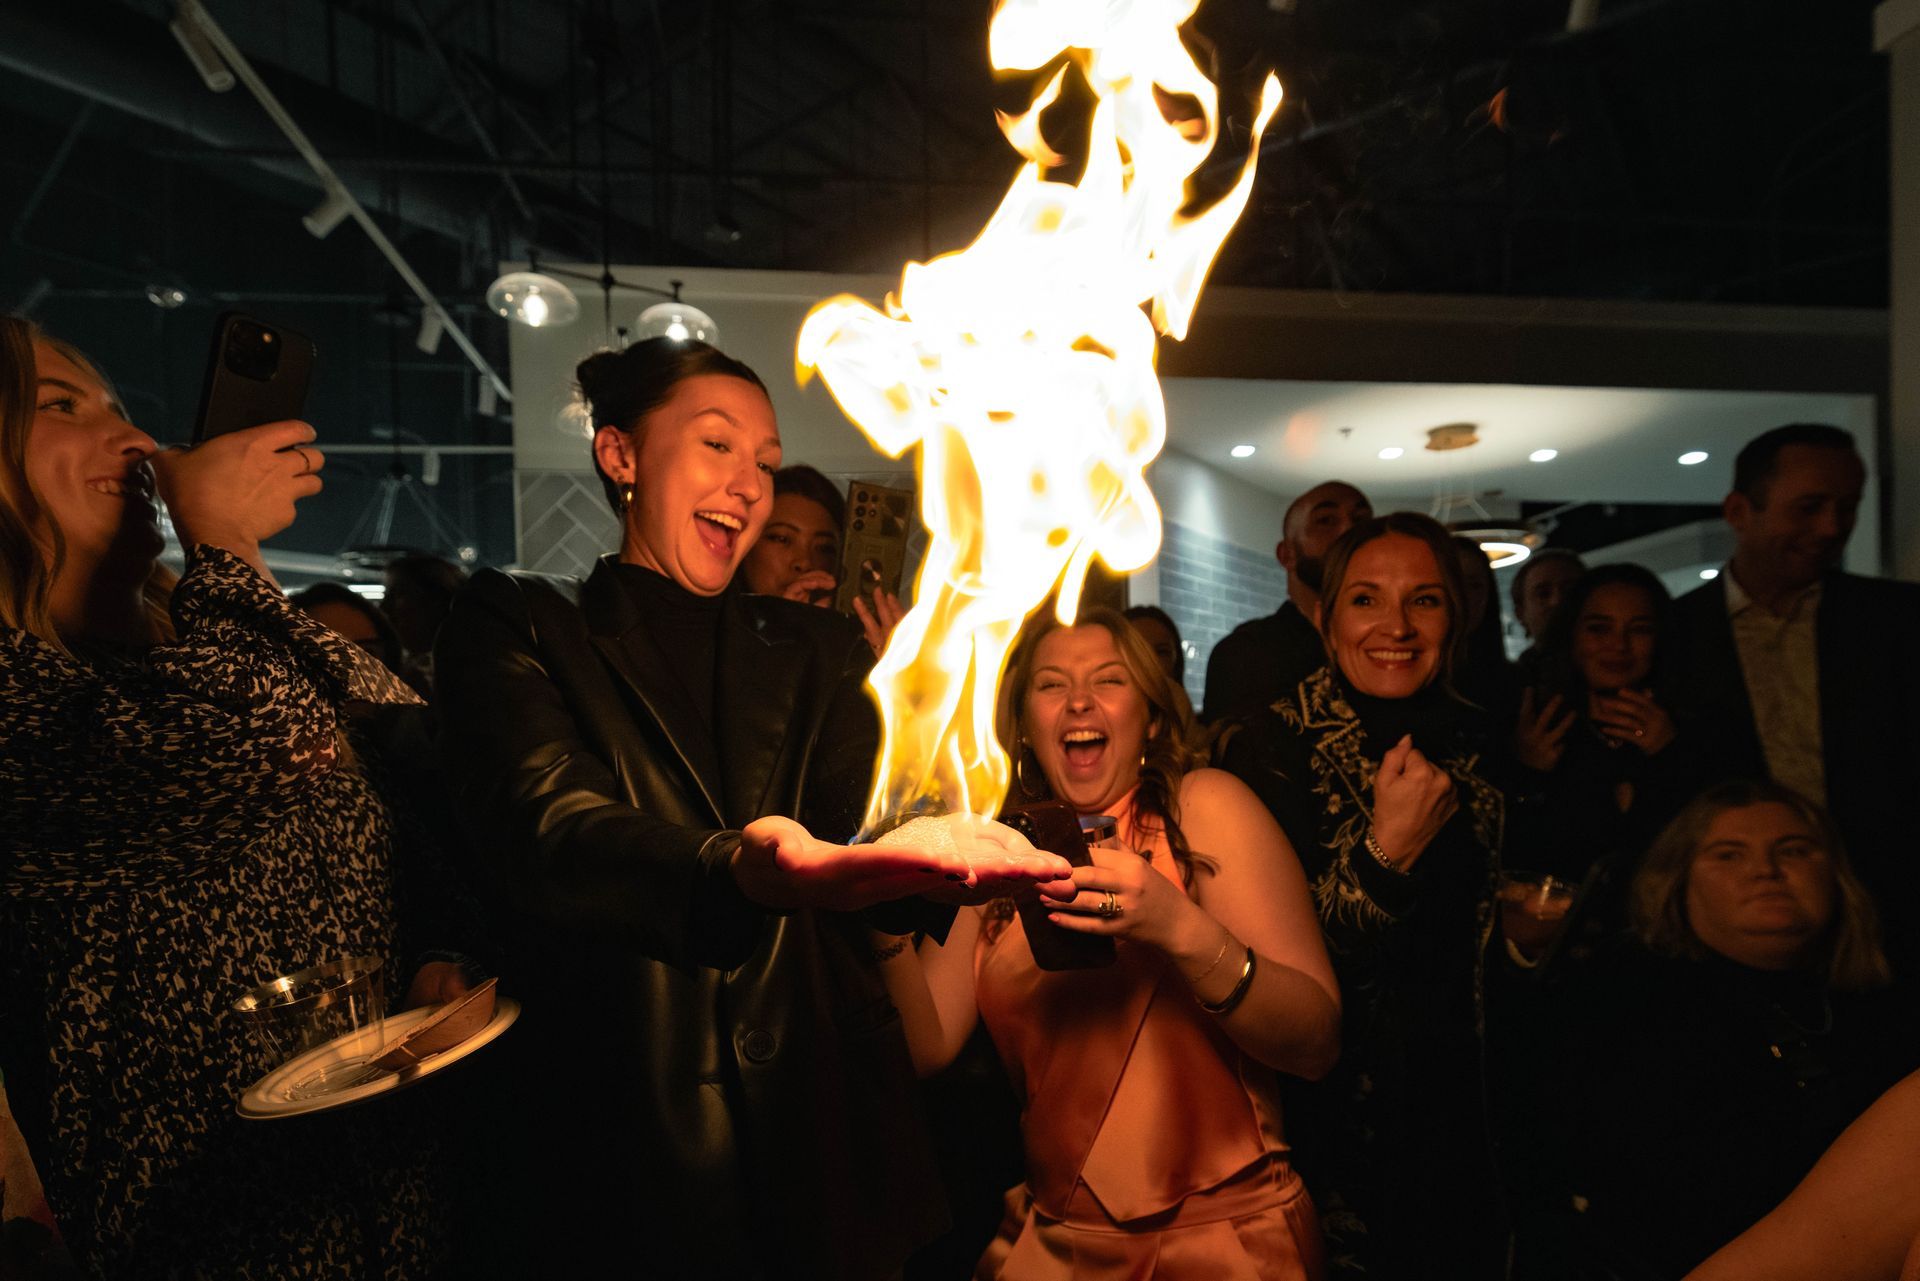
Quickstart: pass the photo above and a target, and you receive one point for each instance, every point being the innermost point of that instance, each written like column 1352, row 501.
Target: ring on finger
column 306, row 463
column 1110, row 906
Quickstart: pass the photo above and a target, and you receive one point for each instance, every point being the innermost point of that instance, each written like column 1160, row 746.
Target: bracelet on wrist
column 1218, row 957
column 1226, row 1004
column 1380, row 855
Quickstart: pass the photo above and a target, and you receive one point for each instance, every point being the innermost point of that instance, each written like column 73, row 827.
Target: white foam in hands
column 964, row 833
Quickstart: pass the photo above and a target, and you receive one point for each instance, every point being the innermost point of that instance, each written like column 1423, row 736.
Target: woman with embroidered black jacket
column 1375, row 771
column 178, row 822
column 715, row 1083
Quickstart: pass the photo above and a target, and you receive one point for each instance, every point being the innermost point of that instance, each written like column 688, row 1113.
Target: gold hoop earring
column 1019, row 770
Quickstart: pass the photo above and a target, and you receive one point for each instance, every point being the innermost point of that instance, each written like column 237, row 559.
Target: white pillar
column 1896, row 31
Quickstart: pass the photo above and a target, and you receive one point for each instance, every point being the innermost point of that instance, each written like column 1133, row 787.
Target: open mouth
column 720, row 531
column 1083, row 748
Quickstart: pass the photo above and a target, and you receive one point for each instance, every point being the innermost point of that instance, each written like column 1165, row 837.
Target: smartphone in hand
column 873, row 547
column 1053, row 826
column 256, row 374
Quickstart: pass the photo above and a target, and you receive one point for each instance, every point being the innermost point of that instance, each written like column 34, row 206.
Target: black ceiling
column 1701, row 150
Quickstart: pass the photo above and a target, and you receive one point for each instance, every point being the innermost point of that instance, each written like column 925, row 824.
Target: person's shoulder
column 1881, row 592
column 1208, row 786
column 1253, row 630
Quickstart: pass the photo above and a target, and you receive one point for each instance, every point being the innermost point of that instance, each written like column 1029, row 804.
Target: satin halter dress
column 1153, row 1145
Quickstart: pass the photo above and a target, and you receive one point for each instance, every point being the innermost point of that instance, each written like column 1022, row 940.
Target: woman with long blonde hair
column 1151, row 1120
column 177, row 824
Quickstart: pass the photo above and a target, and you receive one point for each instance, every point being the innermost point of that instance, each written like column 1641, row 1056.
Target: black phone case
column 235, row 396
column 1054, row 827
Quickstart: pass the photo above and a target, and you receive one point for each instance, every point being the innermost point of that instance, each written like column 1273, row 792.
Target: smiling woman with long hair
column 1374, row 769
column 178, row 822
column 1152, row 1127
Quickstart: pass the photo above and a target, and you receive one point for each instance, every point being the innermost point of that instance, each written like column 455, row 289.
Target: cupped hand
column 815, row 587
column 1632, row 716
column 1145, row 906
column 239, row 489
column 1540, row 738
column 879, row 619
column 1412, row 800
column 781, row 865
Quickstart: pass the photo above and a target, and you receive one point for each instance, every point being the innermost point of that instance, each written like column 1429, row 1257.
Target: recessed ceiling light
column 1543, row 455
column 1241, row 451
column 1392, row 452
column 1709, row 574
column 1693, row 457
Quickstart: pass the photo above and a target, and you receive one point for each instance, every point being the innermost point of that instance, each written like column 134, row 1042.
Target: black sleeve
column 122, row 775
column 535, row 793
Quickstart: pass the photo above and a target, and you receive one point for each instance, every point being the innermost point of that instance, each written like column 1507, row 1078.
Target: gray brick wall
column 1210, row 586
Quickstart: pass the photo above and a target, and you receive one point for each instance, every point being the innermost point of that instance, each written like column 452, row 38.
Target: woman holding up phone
column 178, row 822
column 1151, row 1119
column 658, row 768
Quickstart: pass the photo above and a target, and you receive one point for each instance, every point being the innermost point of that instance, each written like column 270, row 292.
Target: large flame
column 1023, row 368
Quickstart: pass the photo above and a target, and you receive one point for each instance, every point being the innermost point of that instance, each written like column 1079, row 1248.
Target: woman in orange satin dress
column 1150, row 1105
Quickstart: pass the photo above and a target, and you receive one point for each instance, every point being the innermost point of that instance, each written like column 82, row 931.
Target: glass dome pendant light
column 534, row 299
column 676, row 321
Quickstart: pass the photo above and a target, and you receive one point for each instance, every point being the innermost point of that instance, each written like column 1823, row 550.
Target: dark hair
column 1293, row 508
column 620, row 388
column 1409, row 525
column 1759, row 458
column 1657, row 898
column 307, row 598
column 1558, row 675
column 1545, row 556
column 1167, row 758
column 805, row 482
column 1160, row 616
column 434, row 579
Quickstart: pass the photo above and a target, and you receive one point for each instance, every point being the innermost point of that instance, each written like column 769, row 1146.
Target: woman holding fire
column 627, row 748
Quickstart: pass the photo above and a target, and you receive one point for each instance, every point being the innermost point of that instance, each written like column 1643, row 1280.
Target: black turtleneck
column 1436, row 718
column 684, row 625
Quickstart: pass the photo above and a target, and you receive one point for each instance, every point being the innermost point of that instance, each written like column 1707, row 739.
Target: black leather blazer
column 737, row 1099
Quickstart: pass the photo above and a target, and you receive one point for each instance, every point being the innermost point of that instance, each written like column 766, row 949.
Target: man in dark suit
column 1798, row 672
column 1266, row 658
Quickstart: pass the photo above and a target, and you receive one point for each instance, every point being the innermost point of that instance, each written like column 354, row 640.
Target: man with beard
column 1266, row 658
column 1798, row 672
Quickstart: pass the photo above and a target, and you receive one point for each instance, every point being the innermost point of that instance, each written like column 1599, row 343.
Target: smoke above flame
column 1023, row 369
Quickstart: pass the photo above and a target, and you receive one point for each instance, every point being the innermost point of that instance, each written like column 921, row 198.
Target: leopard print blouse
column 176, row 827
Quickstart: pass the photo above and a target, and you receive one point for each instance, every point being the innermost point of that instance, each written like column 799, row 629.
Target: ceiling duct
column 109, row 54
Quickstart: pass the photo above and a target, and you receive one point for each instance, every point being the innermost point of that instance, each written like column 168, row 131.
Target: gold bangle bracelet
column 1226, row 1003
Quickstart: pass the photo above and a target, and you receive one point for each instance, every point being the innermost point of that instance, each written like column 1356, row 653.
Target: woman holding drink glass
column 709, row 1079
column 1374, row 770
column 1151, row 1125
column 182, row 820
